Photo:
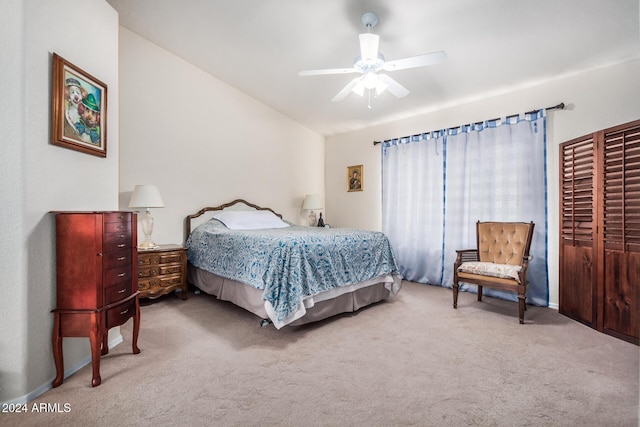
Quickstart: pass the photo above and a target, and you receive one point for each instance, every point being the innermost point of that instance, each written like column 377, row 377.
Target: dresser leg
column 105, row 343
column 57, row 351
column 95, row 338
column 136, row 328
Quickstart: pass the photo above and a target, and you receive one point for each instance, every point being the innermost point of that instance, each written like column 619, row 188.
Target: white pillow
column 250, row 220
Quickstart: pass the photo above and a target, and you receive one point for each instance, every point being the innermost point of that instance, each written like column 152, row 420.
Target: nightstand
column 162, row 270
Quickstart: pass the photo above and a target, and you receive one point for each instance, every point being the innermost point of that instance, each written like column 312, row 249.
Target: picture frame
column 355, row 178
column 79, row 109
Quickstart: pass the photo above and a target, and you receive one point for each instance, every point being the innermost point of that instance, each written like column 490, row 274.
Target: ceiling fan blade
column 393, row 86
column 415, row 61
column 345, row 90
column 327, row 71
column 369, row 46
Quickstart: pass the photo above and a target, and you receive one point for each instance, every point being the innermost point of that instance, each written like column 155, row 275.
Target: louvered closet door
column 577, row 241
column 619, row 161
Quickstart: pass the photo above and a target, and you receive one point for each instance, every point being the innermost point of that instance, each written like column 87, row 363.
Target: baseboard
column 553, row 305
column 47, row 386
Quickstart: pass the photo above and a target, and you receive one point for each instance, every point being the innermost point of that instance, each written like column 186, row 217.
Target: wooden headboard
column 238, row 204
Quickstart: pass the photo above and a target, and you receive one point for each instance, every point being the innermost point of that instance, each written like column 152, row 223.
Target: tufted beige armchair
column 500, row 260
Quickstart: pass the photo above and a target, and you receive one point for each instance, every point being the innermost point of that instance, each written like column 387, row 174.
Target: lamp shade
column 311, row 201
column 146, row 196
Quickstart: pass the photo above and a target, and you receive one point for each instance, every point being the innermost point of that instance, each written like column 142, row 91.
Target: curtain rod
column 555, row 107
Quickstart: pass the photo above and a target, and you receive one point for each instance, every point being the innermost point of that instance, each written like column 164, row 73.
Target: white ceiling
column 492, row 46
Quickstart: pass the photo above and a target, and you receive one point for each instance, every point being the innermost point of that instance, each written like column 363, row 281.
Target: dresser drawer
column 117, row 240
column 117, row 217
column 117, row 227
column 119, row 314
column 117, row 292
column 116, row 275
column 117, row 236
column 120, row 258
column 116, row 246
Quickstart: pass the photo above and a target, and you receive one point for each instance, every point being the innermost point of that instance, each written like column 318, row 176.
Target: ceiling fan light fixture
column 370, row 79
column 381, row 87
column 358, row 89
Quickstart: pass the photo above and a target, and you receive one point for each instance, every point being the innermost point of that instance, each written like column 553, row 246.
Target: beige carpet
column 412, row 360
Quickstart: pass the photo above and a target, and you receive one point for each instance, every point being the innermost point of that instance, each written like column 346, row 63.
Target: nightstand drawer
column 159, row 258
column 148, row 271
column 159, row 282
column 170, row 269
column 159, row 270
column 116, row 316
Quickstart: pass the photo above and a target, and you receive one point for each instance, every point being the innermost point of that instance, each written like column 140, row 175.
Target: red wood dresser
column 96, row 281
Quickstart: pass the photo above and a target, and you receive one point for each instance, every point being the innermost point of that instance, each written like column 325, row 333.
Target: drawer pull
column 120, row 217
column 122, row 245
column 122, row 274
column 122, row 291
column 122, row 236
column 122, row 258
column 121, row 226
column 125, row 311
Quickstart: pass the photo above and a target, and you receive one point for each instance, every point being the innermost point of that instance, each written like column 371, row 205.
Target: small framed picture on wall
column 355, row 179
column 79, row 109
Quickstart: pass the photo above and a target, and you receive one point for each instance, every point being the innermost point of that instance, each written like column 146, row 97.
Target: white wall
column 204, row 143
column 37, row 177
column 595, row 99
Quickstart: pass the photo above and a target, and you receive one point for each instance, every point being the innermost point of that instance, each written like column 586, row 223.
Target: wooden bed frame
column 250, row 298
column 189, row 219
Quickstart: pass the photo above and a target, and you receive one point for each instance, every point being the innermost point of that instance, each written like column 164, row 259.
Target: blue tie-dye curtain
column 436, row 185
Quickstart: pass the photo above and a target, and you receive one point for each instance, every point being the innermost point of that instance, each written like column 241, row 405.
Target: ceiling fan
column 371, row 62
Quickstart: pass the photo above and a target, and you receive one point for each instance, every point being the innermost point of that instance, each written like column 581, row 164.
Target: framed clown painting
column 79, row 110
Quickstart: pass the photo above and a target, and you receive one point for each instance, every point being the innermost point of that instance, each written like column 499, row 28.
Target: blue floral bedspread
column 291, row 263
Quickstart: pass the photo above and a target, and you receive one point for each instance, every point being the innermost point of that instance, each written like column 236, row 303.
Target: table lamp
column 146, row 196
column 311, row 202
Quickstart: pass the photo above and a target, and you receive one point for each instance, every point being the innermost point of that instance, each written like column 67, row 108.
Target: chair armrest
column 466, row 255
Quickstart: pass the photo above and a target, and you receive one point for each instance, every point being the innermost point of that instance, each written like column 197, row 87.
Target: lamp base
column 147, row 245
column 312, row 218
column 147, row 229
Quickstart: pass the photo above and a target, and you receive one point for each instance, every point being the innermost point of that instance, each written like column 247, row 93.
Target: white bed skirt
column 317, row 307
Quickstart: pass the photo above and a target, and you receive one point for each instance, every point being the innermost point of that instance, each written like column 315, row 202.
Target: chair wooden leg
column 455, row 295
column 521, row 307
column 479, row 293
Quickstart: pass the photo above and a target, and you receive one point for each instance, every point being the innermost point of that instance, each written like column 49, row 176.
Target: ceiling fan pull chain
column 369, row 106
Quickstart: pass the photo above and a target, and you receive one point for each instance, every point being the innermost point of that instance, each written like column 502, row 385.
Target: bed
column 284, row 273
